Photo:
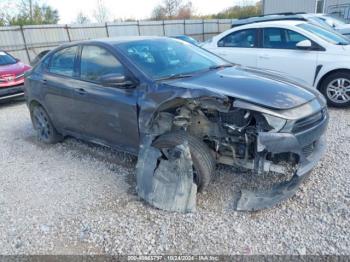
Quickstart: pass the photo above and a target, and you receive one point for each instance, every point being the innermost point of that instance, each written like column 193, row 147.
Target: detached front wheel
column 43, row 126
column 203, row 161
column 336, row 89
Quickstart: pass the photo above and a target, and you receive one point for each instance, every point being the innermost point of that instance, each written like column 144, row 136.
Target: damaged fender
column 166, row 182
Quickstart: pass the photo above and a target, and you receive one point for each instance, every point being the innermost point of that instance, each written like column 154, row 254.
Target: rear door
column 239, row 47
column 105, row 114
column 280, row 53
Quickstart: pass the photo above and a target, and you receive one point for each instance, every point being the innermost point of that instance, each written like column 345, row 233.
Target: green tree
column 2, row 20
column 82, row 19
column 3, row 7
column 172, row 9
column 240, row 11
column 32, row 13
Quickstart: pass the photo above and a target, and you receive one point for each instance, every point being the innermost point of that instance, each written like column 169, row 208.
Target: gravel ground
column 78, row 198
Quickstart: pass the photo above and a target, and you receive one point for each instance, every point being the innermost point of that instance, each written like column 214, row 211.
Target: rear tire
column 336, row 89
column 203, row 161
column 43, row 126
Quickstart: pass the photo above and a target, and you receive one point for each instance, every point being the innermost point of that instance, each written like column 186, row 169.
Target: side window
column 97, row 62
column 62, row 62
column 243, row 38
column 273, row 38
column 279, row 38
column 292, row 38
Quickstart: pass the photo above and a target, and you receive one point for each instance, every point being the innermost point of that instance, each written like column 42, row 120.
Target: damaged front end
column 236, row 133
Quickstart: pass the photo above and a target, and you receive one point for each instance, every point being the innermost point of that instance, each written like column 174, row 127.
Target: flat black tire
column 203, row 161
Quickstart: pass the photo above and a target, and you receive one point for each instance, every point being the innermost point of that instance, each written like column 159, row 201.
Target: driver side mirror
column 221, row 44
column 117, row 80
column 304, row 45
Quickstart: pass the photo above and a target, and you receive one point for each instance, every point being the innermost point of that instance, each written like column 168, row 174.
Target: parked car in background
column 187, row 39
column 11, row 76
column 302, row 50
column 121, row 92
column 338, row 24
column 326, row 21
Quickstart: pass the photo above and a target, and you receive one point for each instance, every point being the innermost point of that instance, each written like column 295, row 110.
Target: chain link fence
column 25, row 42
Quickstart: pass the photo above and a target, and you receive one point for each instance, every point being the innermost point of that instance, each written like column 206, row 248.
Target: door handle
column 43, row 82
column 80, row 91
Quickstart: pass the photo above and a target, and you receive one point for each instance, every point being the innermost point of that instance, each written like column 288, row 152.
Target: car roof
column 270, row 17
column 272, row 23
column 124, row 39
column 113, row 40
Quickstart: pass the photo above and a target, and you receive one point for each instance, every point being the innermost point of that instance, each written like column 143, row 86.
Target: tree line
column 31, row 12
column 27, row 12
column 178, row 9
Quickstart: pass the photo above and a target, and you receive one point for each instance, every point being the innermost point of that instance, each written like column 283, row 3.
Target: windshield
column 166, row 58
column 6, row 59
column 327, row 35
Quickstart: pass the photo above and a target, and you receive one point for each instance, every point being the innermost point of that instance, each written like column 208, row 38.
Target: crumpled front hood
column 251, row 85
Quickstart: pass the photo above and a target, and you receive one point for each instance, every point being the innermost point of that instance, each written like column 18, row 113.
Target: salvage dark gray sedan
column 149, row 95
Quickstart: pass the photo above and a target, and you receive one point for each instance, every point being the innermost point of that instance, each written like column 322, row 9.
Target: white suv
column 319, row 57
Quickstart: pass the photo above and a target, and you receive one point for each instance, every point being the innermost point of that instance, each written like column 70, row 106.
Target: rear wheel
column 43, row 126
column 336, row 89
column 203, row 161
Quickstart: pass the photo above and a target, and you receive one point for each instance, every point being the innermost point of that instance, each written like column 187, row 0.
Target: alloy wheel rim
column 338, row 91
column 42, row 125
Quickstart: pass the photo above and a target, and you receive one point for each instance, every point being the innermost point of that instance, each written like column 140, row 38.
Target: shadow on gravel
column 32, row 139
column 12, row 102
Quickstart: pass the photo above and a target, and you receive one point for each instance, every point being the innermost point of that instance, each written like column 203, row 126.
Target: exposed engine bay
column 230, row 133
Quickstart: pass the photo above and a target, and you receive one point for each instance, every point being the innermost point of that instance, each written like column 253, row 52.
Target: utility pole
column 31, row 10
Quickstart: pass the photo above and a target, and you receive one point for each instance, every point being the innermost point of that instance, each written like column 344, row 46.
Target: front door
column 280, row 53
column 105, row 114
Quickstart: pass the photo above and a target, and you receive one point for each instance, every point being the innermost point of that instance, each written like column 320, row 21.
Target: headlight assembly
column 275, row 123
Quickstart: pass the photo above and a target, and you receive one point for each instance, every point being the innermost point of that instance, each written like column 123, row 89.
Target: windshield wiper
column 220, row 66
column 175, row 76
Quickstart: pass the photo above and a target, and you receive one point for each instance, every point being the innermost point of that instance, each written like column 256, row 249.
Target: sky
column 136, row 9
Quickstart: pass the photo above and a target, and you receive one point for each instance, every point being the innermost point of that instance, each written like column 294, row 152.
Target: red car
column 11, row 76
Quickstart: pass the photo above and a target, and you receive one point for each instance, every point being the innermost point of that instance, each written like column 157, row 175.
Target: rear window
column 6, row 59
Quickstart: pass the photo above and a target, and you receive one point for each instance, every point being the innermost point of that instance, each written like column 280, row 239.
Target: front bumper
column 11, row 92
column 287, row 143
